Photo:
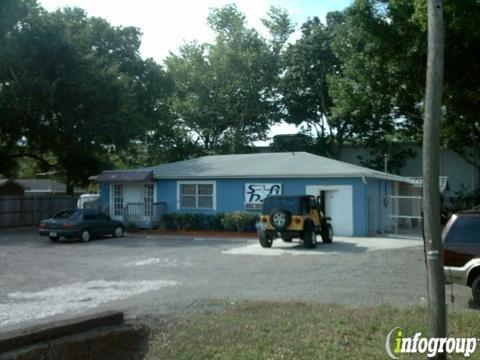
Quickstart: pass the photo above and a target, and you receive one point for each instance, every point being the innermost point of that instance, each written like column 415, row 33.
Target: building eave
column 280, row 176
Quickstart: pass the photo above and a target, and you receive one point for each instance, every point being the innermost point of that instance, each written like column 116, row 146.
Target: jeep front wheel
column 310, row 238
column 265, row 240
column 327, row 234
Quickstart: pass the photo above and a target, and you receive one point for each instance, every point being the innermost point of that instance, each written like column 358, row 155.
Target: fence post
column 35, row 217
column 22, row 211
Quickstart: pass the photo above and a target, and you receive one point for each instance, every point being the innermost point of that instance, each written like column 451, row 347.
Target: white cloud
column 165, row 25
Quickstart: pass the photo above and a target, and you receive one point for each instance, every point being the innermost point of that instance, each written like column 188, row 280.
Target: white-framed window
column 148, row 198
column 118, row 199
column 196, row 195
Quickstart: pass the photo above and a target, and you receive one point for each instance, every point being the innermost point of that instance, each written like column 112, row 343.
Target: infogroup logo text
column 397, row 343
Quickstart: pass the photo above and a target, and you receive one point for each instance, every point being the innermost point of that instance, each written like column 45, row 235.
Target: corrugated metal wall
column 460, row 173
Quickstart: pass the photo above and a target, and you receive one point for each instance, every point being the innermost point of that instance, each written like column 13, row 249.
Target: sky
column 166, row 25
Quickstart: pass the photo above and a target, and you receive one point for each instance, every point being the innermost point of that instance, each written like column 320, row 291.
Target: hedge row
column 236, row 221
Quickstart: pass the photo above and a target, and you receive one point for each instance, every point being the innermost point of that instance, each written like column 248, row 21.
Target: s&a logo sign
column 255, row 193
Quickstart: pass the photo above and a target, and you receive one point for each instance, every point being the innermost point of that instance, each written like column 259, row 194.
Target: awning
column 125, row 176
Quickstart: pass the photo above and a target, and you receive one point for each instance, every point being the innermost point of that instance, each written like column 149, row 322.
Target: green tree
column 305, row 91
column 226, row 92
column 461, row 100
column 74, row 89
column 379, row 86
column 377, row 89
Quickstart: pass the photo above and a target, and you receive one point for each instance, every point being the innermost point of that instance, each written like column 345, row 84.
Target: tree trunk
column 70, row 186
column 431, row 192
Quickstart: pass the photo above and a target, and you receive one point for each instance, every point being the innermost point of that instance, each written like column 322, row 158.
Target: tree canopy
column 76, row 97
column 226, row 91
column 74, row 89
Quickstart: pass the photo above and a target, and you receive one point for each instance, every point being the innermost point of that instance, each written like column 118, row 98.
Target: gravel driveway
column 154, row 275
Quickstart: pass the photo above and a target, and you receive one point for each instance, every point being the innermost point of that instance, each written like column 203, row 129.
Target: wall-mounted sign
column 255, row 193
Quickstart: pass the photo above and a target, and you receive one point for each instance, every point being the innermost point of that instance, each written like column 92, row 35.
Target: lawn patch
column 295, row 330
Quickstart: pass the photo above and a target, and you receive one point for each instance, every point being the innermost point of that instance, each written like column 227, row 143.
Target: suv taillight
column 446, row 256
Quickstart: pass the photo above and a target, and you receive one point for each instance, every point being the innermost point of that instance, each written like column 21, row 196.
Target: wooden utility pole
column 431, row 189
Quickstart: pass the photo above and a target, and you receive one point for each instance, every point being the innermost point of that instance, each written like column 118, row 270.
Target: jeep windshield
column 291, row 204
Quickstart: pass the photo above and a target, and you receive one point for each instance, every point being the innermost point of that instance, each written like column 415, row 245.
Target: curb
column 14, row 339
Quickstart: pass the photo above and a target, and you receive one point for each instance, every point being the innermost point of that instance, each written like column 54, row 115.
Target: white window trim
column 112, row 195
column 199, row 182
column 154, row 191
column 112, row 199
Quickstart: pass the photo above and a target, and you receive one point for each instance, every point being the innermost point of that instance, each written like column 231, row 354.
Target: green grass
column 288, row 330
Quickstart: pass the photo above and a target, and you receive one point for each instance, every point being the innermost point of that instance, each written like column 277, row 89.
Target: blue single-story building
column 356, row 198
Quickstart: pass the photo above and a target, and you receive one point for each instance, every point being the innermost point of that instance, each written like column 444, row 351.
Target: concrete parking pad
column 341, row 245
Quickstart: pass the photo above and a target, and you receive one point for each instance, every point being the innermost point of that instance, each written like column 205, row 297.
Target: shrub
column 239, row 221
column 465, row 199
column 214, row 222
column 131, row 227
column 193, row 221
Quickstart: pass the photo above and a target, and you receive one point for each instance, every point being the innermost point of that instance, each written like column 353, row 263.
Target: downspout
column 365, row 196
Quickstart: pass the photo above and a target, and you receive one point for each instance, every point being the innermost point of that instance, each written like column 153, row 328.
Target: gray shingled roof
column 125, row 176
column 4, row 181
column 44, row 186
column 265, row 165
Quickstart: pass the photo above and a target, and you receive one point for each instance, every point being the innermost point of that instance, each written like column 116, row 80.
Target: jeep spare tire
column 280, row 219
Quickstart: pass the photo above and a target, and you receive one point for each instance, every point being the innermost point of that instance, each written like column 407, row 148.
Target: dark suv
column 461, row 256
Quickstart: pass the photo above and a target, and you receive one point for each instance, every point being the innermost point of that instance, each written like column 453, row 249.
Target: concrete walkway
column 340, row 245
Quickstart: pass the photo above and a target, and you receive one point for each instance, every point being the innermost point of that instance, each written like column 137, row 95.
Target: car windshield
column 68, row 214
column 465, row 230
column 291, row 204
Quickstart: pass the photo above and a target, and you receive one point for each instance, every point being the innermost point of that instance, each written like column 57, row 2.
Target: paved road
column 154, row 275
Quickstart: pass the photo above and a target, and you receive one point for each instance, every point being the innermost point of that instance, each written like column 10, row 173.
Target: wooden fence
column 29, row 210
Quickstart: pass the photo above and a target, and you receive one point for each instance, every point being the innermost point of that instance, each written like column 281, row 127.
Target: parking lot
column 153, row 275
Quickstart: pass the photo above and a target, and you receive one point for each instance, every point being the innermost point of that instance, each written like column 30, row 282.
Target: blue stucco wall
column 231, row 195
column 378, row 206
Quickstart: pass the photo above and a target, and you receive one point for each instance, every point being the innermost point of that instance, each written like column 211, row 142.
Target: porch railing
column 406, row 215
column 144, row 215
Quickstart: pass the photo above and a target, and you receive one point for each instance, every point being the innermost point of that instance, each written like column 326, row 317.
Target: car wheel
column 476, row 290
column 327, row 234
column 85, row 236
column 53, row 238
column 265, row 240
column 310, row 238
column 118, row 232
column 287, row 238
